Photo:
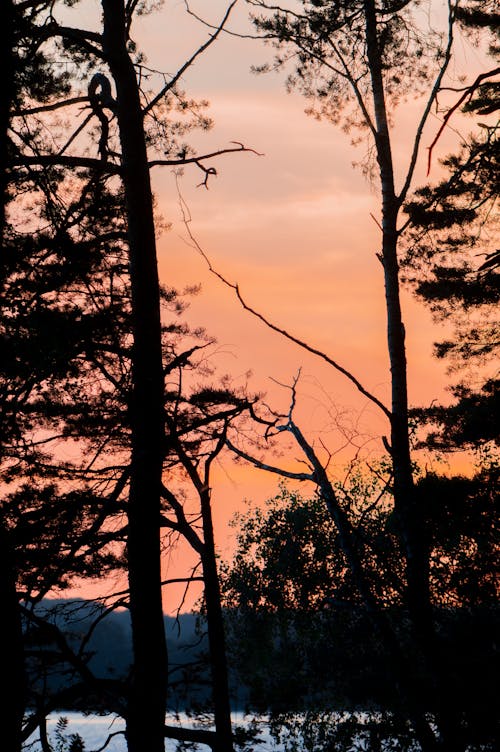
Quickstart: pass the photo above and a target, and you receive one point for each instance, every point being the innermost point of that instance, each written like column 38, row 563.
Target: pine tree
column 453, row 262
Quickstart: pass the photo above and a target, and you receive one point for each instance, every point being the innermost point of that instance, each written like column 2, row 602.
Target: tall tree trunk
column 216, row 635
column 417, row 560
column 409, row 519
column 7, row 63
column 13, row 703
column 147, row 702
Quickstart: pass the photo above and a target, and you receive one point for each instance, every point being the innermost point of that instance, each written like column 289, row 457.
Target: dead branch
column 168, row 86
column 198, row 160
column 468, row 92
column 265, row 466
column 51, row 106
column 274, row 327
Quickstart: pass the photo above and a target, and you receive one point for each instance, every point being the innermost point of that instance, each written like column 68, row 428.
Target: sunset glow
column 295, row 225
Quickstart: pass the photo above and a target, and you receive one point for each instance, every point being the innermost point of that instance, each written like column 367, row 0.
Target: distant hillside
column 109, row 647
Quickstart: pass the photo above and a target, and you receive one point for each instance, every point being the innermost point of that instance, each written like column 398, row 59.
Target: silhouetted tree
column 130, row 126
column 349, row 64
column 453, row 261
column 302, row 639
column 351, row 61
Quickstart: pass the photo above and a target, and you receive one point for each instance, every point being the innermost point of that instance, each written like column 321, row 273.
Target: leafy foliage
column 303, row 651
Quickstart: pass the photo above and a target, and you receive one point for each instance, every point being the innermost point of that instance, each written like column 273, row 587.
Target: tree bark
column 216, row 635
column 147, row 703
column 13, row 703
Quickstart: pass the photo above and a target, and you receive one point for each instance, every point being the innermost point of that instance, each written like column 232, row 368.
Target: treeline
column 292, row 662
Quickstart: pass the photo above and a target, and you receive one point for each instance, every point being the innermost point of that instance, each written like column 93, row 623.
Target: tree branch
column 60, row 160
column 467, row 94
column 269, row 468
column 199, row 159
column 304, row 345
column 51, row 107
column 430, row 102
column 183, row 525
column 198, row 736
column 84, row 39
column 190, row 62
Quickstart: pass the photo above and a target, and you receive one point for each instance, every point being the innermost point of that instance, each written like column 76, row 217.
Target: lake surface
column 104, row 733
column 95, row 731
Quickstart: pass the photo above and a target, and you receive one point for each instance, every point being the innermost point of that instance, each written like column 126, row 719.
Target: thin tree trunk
column 147, row 703
column 410, row 521
column 402, row 667
column 216, row 635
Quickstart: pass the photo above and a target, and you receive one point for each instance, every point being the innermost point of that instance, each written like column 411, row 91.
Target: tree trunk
column 7, row 63
column 147, row 703
column 417, row 560
column 216, row 636
column 409, row 520
column 434, row 693
column 13, row 703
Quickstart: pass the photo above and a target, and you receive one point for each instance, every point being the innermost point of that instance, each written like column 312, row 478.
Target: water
column 104, row 734
column 95, row 731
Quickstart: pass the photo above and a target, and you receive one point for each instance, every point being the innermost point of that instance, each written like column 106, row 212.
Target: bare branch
column 226, row 31
column 51, row 107
column 182, row 525
column 269, row 468
column 197, row 160
column 466, row 95
column 190, row 62
column 176, row 580
column 189, row 580
column 76, row 133
column 432, row 98
column 304, row 345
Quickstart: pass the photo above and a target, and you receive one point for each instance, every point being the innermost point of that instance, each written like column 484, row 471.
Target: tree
column 23, row 377
column 302, row 640
column 14, row 705
column 350, row 59
column 129, row 127
column 452, row 258
column 53, row 513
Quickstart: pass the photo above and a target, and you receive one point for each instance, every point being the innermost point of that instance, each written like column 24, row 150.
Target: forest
column 354, row 603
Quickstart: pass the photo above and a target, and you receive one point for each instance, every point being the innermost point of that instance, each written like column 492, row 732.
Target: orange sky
column 293, row 228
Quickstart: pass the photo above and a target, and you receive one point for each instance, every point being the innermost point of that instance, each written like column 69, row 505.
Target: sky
column 296, row 227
